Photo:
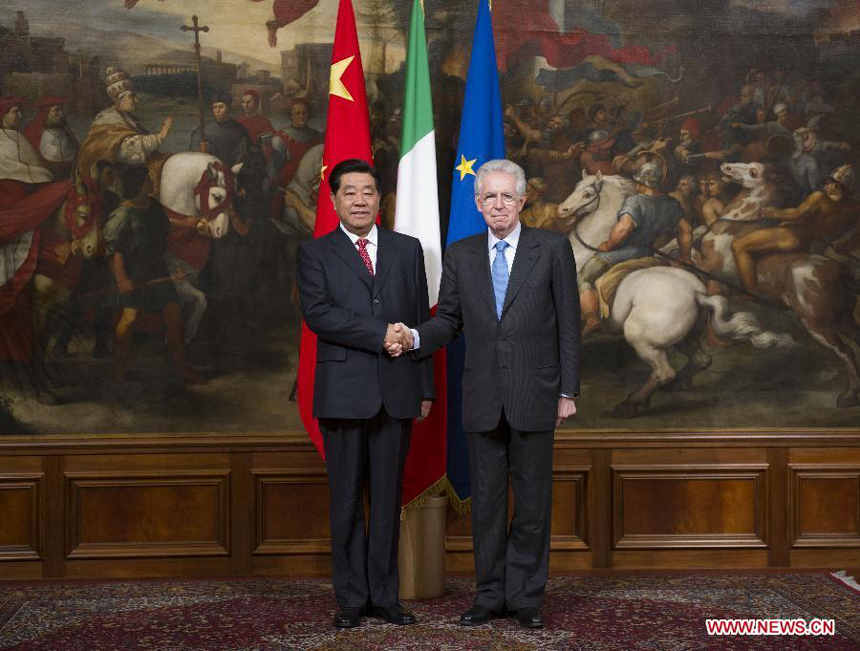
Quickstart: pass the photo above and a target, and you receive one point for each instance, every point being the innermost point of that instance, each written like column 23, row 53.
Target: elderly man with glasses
column 512, row 291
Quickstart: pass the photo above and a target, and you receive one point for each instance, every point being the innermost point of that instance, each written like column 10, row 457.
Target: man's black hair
column 352, row 165
column 132, row 181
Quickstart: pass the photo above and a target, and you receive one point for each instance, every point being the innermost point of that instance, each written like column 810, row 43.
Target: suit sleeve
column 566, row 298
column 428, row 386
column 448, row 321
column 328, row 321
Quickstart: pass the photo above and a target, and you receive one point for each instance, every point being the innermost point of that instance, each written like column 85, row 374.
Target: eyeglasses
column 490, row 198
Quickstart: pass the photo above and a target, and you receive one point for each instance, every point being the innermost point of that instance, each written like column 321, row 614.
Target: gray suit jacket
column 523, row 362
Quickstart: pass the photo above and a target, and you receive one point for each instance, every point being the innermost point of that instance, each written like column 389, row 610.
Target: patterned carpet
column 585, row 612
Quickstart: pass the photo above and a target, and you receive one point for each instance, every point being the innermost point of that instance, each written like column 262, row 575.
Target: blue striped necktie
column 500, row 276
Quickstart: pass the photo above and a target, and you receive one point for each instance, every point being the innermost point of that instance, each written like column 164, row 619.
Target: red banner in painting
column 525, row 27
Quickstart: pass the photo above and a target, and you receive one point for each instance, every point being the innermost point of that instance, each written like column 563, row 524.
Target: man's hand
column 398, row 339
column 165, row 127
column 604, row 246
column 125, row 286
column 566, row 409
column 425, row 409
column 203, row 147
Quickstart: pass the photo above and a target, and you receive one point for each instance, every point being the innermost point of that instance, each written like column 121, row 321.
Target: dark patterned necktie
column 365, row 256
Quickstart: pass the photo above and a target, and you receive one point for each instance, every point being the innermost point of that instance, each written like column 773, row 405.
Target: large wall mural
column 120, row 313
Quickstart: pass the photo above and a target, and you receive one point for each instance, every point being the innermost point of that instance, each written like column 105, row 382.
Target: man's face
column 685, row 187
column 685, row 137
column 715, row 186
column 107, row 178
column 127, row 103
column 249, row 104
column 556, row 123
column 499, row 203
column 357, row 202
column 746, row 95
column 12, row 118
column 782, row 117
column 602, row 117
column 55, row 117
column 832, row 189
column 760, row 115
column 703, row 186
column 299, row 115
column 221, row 111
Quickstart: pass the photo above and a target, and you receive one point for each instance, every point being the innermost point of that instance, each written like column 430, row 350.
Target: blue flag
column 482, row 138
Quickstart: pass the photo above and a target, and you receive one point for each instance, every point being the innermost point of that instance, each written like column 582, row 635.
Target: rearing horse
column 656, row 309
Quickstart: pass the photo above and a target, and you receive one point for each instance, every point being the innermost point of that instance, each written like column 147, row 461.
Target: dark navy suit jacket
column 349, row 311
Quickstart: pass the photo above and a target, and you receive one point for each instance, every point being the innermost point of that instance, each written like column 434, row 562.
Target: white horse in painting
column 656, row 309
column 197, row 191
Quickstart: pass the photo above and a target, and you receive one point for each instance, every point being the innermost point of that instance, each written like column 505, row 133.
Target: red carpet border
column 583, row 612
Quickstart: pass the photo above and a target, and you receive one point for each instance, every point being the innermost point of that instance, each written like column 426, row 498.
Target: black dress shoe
column 394, row 614
column 530, row 618
column 347, row 618
column 477, row 615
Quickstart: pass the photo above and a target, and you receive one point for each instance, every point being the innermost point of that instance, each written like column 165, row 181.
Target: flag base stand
column 421, row 556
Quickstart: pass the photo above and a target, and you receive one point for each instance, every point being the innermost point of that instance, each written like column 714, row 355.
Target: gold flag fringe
column 461, row 507
column 438, row 488
column 435, row 489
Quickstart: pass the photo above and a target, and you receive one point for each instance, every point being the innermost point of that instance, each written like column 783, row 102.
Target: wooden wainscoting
column 215, row 505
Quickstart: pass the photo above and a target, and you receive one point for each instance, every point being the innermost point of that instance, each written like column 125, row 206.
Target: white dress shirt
column 513, row 240
column 372, row 242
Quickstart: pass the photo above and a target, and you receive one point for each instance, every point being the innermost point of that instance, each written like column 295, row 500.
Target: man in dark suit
column 354, row 283
column 513, row 292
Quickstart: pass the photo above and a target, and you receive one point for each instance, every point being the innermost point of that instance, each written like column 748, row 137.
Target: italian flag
column 417, row 214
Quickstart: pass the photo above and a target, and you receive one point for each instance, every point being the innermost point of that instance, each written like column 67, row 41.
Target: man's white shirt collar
column 513, row 238
column 372, row 236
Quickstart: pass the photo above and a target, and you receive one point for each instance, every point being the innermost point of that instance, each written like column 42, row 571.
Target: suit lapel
column 480, row 264
column 386, row 253
column 347, row 252
column 524, row 260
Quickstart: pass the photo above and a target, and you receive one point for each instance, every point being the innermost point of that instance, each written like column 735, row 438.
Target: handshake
column 398, row 339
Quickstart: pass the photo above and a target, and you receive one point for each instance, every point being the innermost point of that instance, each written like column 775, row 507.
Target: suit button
column 375, row 301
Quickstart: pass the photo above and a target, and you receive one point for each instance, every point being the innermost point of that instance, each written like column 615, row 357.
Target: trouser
column 372, row 453
column 511, row 567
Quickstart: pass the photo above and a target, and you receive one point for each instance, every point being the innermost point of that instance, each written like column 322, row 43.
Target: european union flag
column 482, row 138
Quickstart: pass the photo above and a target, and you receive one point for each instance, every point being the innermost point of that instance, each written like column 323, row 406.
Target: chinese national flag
column 347, row 135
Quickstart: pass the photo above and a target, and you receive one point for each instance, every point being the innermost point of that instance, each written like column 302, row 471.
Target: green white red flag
column 417, row 214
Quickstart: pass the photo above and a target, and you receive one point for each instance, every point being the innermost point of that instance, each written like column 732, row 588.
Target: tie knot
column 501, row 246
column 362, row 243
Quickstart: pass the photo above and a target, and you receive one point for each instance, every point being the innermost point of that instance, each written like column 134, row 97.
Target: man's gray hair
column 505, row 166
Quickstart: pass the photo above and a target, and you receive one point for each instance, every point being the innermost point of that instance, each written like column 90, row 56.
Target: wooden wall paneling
column 777, row 503
column 673, row 559
column 768, row 498
column 569, row 508
column 692, row 506
column 600, row 508
column 291, row 513
column 242, row 511
column 21, row 504
column 148, row 514
column 55, row 517
column 824, row 506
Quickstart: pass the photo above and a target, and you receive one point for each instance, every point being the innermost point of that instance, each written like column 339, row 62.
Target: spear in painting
column 197, row 29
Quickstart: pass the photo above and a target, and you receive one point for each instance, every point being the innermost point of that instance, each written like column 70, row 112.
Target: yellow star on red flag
column 336, row 86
